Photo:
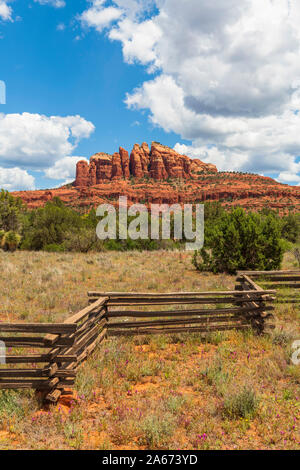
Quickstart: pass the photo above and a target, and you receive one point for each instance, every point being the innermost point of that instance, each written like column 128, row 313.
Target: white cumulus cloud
column 14, row 179
column 138, row 40
column 100, row 17
column 102, row 14
column 34, row 141
column 54, row 3
column 5, row 11
column 227, row 76
column 64, row 169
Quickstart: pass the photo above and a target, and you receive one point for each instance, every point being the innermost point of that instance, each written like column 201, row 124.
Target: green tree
column 238, row 240
column 49, row 225
column 11, row 212
column 290, row 227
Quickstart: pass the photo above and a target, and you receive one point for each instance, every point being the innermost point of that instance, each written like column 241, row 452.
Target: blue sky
column 88, row 76
column 68, row 71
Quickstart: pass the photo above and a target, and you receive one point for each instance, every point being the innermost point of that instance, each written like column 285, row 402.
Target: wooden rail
column 278, row 280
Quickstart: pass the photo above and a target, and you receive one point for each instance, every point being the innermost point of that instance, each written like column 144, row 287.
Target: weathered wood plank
column 96, row 330
column 98, row 319
column 182, row 313
column 90, row 348
column 31, row 383
column 78, row 317
column 147, row 304
column 33, row 341
column 191, row 303
column 269, row 273
column 36, row 358
column 58, row 341
column 143, row 295
column 199, row 300
column 88, row 333
column 19, row 373
column 146, row 331
column 283, row 284
column 253, row 284
column 56, row 328
column 228, row 301
column 87, row 310
column 190, row 321
column 53, row 396
column 264, row 278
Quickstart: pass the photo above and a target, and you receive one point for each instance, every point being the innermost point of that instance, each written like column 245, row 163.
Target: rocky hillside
column 161, row 175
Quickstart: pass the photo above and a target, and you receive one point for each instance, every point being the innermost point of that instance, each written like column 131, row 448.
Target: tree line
column 234, row 239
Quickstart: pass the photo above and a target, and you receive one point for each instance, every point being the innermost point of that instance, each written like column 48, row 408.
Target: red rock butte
column 159, row 163
column 163, row 176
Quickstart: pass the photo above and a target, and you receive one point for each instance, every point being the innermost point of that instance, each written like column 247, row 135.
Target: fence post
column 257, row 319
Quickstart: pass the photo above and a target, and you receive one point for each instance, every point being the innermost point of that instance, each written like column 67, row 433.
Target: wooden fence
column 54, row 351
column 286, row 283
column 193, row 312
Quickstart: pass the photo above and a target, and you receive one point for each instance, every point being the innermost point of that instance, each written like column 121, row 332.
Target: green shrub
column 11, row 212
column 242, row 404
column 48, row 225
column 281, row 338
column 240, row 241
column 290, row 227
column 157, row 428
column 82, row 240
column 175, row 403
column 10, row 241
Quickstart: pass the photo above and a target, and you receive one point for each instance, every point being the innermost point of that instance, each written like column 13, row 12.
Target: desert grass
column 233, row 390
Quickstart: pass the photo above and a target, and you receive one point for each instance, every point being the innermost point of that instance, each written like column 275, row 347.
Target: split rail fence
column 192, row 312
column 54, row 351
column 286, row 283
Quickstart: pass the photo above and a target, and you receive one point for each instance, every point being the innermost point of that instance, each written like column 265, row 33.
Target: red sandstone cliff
column 159, row 163
column 163, row 176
